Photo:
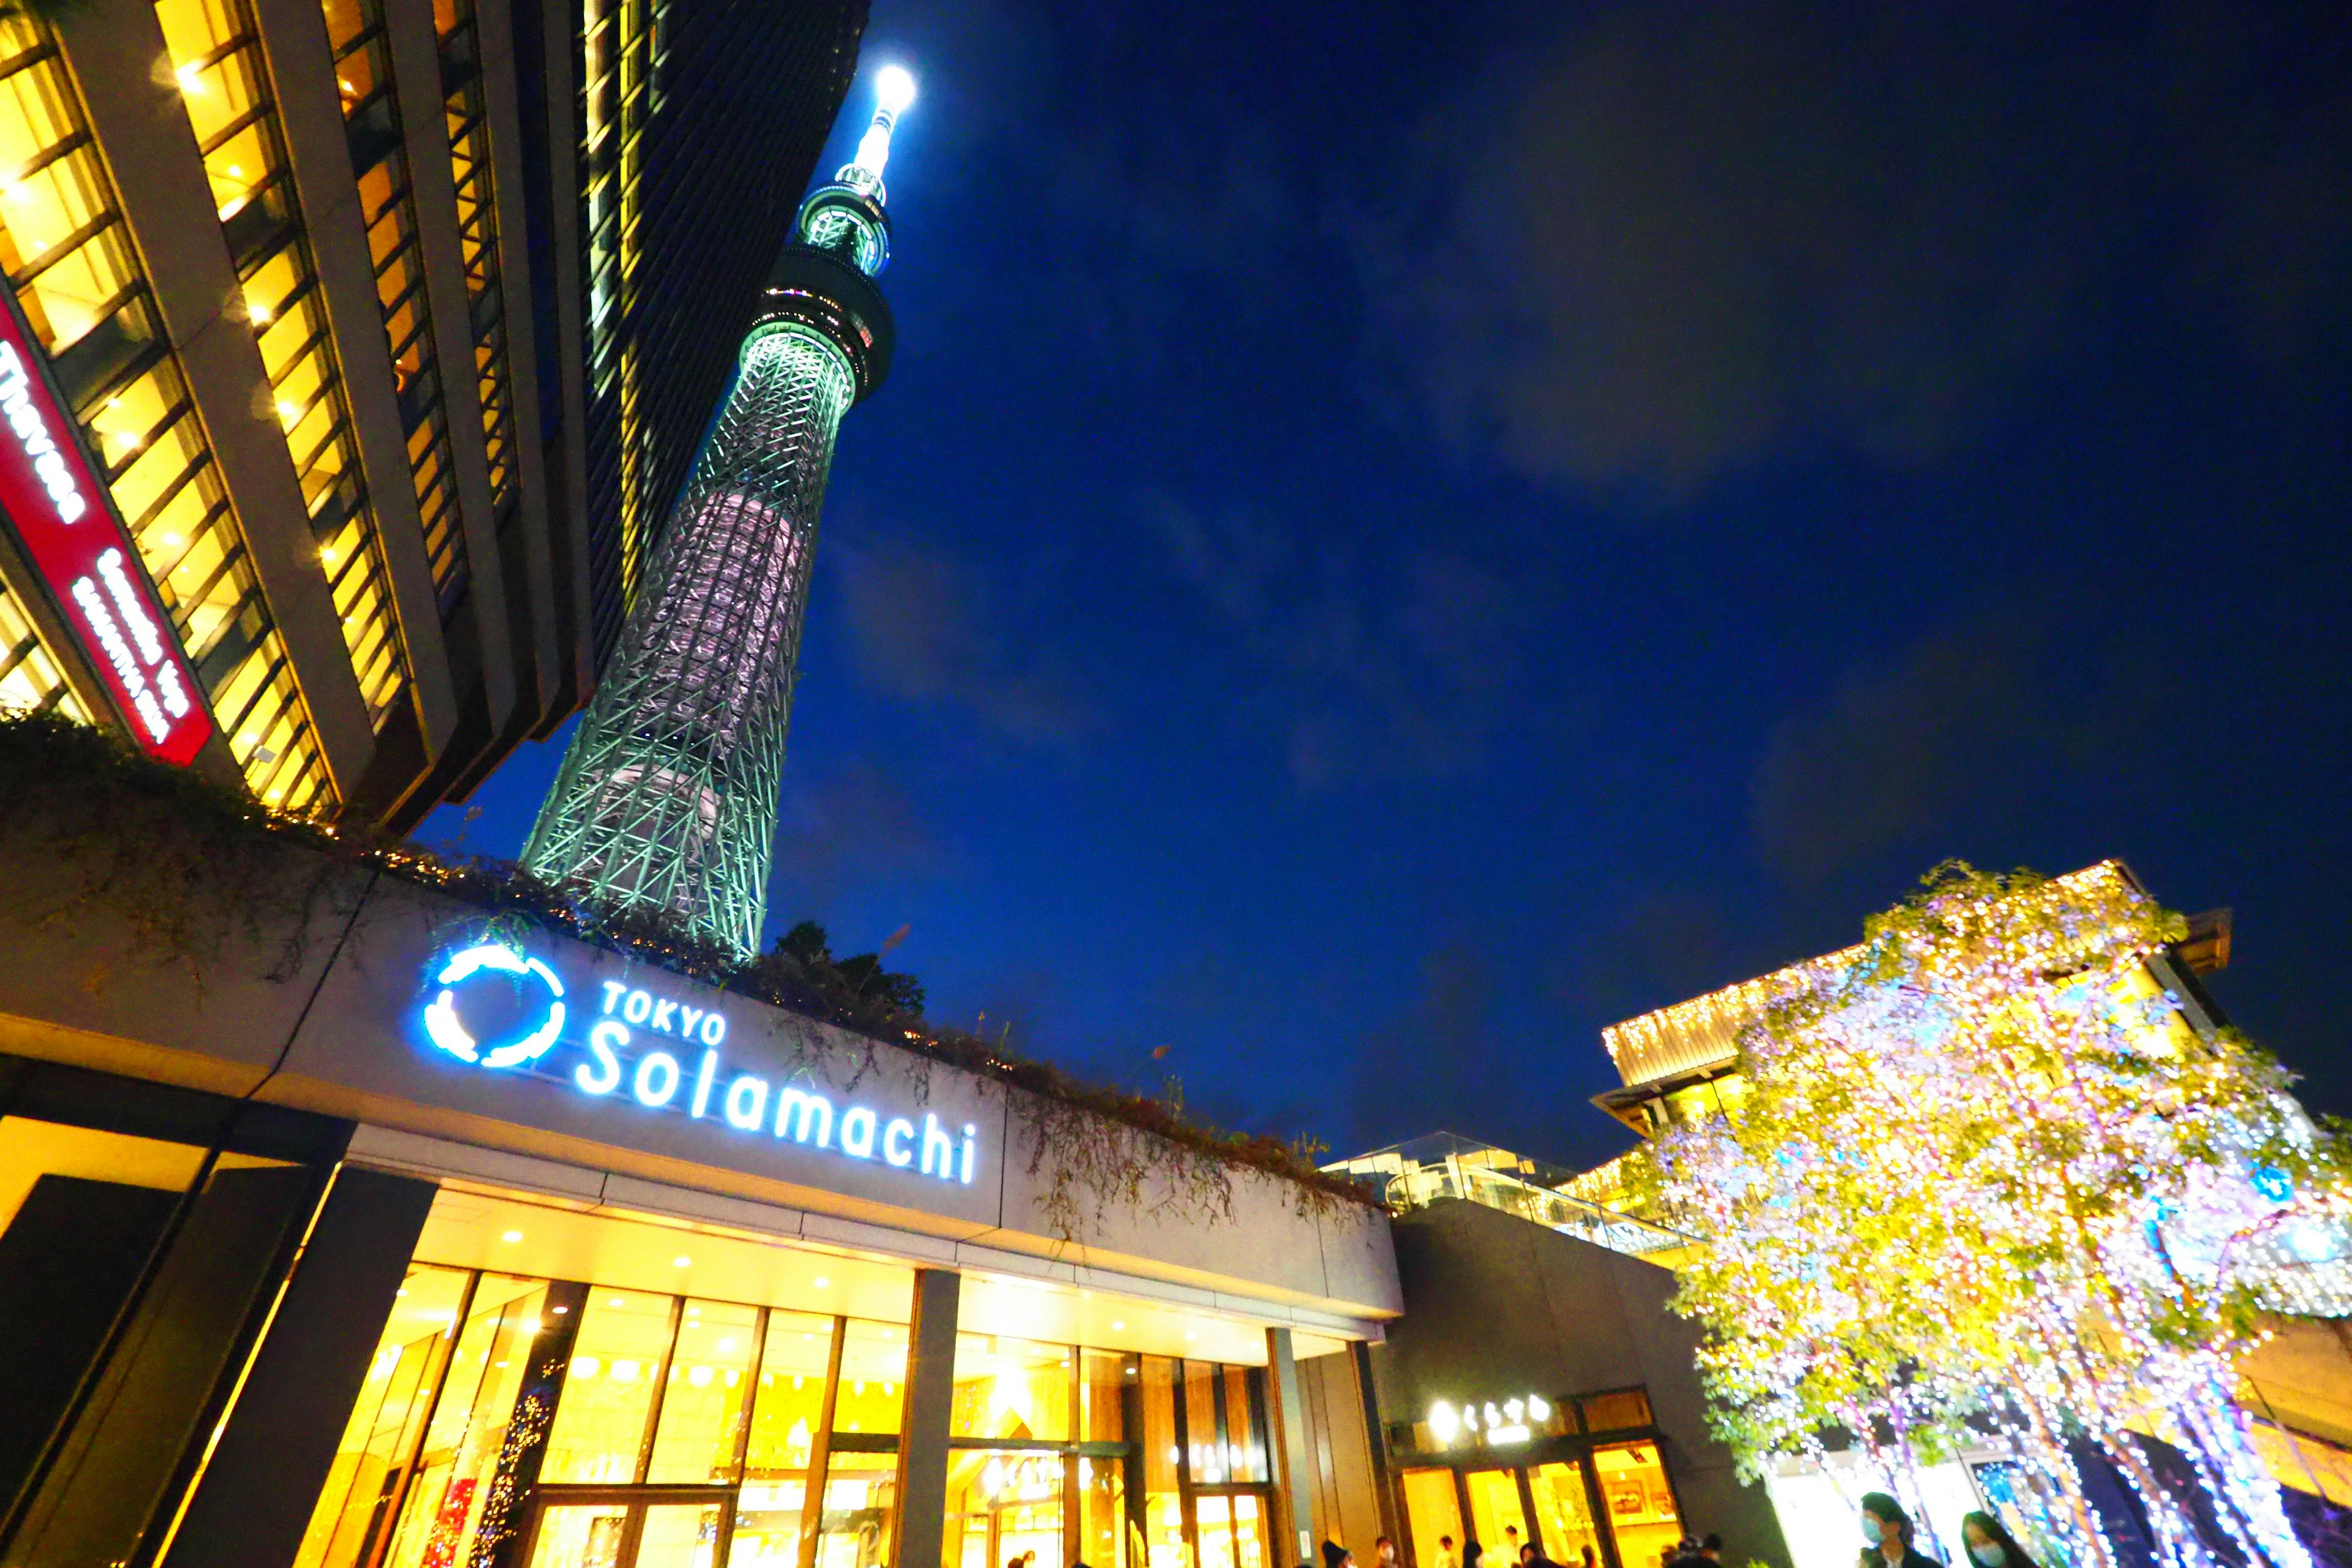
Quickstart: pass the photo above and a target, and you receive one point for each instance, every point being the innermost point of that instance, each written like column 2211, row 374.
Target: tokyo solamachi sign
column 83, row 552
column 493, row 1006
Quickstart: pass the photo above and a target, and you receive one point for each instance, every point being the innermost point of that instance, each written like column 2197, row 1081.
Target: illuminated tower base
column 667, row 801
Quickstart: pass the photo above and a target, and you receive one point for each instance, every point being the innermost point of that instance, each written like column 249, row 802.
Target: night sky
column 1398, row 537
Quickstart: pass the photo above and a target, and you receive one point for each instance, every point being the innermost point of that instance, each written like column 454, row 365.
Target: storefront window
column 794, row 1360
column 1245, row 1455
column 1563, row 1512
column 872, row 1378
column 353, row 1508
column 1011, row 1389
column 1642, row 1512
column 1433, row 1515
column 459, row 1465
column 860, row 1511
column 1496, row 1521
column 708, row 1393
column 617, row 1367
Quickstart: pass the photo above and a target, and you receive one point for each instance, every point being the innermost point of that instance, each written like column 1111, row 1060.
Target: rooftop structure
column 1421, row 1171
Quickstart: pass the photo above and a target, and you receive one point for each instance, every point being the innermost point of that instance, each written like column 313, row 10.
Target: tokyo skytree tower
column 667, row 798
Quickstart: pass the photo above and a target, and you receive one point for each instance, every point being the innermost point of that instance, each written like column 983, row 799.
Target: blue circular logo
column 446, row 1030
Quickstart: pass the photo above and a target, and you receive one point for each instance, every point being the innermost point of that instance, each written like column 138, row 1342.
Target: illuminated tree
column 1984, row 1176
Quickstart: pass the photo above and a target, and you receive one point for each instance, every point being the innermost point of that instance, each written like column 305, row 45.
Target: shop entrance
column 632, row 1528
column 1559, row 1506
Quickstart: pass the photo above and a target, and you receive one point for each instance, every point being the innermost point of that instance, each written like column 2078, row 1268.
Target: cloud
column 849, row 827
column 1656, row 243
column 1376, row 656
column 925, row 627
column 1998, row 731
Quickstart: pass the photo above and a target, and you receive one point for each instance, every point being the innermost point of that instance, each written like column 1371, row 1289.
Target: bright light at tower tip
column 894, row 86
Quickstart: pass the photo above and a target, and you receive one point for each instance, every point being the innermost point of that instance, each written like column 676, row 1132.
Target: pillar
column 923, row 1436
column 1295, row 1510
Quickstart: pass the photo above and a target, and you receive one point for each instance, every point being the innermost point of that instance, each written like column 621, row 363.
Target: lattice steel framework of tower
column 667, row 801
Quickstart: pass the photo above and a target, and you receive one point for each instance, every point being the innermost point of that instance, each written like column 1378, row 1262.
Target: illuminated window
column 222, row 85
column 372, row 128
column 477, row 237
column 618, row 94
column 30, row 680
column 82, row 290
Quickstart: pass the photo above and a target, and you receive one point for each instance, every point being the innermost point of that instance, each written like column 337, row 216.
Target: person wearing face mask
column 1888, row 1531
column 1990, row 1544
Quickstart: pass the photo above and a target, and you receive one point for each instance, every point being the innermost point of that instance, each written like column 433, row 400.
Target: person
column 1712, row 1547
column 1338, row 1556
column 1511, row 1554
column 1590, row 1558
column 1887, row 1531
column 1384, row 1552
column 1473, row 1555
column 1446, row 1558
column 1991, row 1543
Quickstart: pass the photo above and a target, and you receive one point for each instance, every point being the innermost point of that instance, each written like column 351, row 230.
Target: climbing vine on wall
column 195, row 869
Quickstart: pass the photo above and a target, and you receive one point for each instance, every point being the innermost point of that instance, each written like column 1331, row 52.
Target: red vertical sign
column 82, row 551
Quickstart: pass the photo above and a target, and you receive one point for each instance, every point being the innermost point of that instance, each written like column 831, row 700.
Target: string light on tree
column 1988, row 1175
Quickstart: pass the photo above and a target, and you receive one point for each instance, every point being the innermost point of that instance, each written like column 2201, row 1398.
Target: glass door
column 1232, row 1529
column 1564, row 1514
column 1496, row 1521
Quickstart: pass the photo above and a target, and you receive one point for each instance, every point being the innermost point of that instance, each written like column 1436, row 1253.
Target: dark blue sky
column 1398, row 537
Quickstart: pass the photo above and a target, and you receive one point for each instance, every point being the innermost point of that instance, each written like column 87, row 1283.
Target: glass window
column 860, row 1509
column 1163, row 1531
column 1564, row 1514
column 1619, row 1411
column 1245, row 1455
column 678, row 1535
column 1160, row 1450
column 1102, row 1517
column 1000, row 1505
column 30, row 677
column 1203, row 1449
column 1111, row 1379
column 1013, row 1390
column 1434, row 1514
column 1496, row 1521
column 873, row 1379
column 708, row 1393
column 790, row 1406
column 618, row 1360
column 576, row 1535
column 353, row 1512
column 467, row 1429
column 1233, row 1531
column 1640, row 1505
column 768, row 1516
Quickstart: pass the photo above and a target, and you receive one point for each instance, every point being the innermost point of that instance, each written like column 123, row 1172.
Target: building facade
column 331, row 426
column 1539, row 1391
column 367, row 1240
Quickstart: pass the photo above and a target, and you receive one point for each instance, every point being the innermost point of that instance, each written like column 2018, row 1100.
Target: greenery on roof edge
column 175, row 854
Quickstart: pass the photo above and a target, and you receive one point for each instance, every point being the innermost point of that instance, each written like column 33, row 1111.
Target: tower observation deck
column 667, row 801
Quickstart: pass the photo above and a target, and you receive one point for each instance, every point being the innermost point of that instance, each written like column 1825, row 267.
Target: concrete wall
column 320, row 1008
column 1496, row 1307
